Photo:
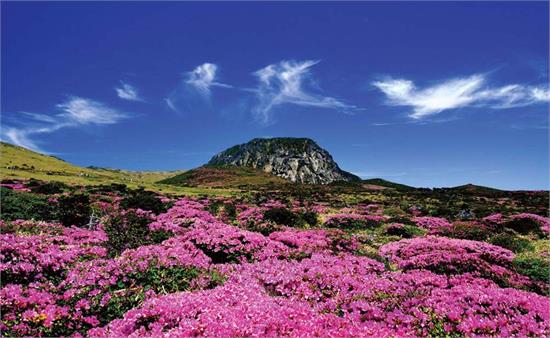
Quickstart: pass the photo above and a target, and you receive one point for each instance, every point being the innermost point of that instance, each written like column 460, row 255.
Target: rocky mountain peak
column 295, row 159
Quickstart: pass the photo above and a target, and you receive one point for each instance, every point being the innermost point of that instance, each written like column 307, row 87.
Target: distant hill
column 20, row 163
column 387, row 184
column 219, row 176
column 295, row 159
column 475, row 189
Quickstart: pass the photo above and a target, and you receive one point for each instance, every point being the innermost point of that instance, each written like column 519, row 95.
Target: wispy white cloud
column 170, row 104
column 458, row 93
column 128, row 92
column 196, row 88
column 74, row 112
column 79, row 110
column 541, row 94
column 39, row 117
column 283, row 83
column 203, row 78
column 20, row 137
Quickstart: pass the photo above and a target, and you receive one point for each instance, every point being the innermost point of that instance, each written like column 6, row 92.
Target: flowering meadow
column 109, row 261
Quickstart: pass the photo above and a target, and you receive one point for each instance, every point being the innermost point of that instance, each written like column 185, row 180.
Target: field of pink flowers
column 243, row 269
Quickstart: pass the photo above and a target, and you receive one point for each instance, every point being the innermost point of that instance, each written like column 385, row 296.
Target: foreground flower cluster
column 213, row 276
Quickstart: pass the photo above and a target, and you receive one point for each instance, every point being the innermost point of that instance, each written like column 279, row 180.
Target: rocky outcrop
column 295, row 159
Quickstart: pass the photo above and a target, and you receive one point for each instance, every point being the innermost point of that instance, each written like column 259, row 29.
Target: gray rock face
column 295, row 159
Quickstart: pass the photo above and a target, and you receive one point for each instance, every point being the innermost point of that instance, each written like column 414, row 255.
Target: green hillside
column 387, row 184
column 20, row 163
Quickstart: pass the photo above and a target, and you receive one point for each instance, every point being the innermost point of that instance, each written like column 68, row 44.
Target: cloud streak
column 457, row 93
column 74, row 112
column 197, row 84
column 128, row 92
column 284, row 83
column 203, row 77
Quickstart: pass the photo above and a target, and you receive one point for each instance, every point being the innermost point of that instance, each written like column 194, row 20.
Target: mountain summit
column 295, row 159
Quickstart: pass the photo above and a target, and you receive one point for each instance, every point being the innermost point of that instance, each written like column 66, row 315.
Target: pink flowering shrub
column 320, row 209
column 238, row 309
column 15, row 186
column 46, row 255
column 471, row 309
column 331, row 296
column 454, row 256
column 98, row 291
column 110, row 287
column 212, row 278
column 181, row 216
column 252, row 218
column 273, row 204
column 32, row 310
column 465, row 230
column 493, row 220
column 433, row 224
column 306, row 242
column 224, row 243
column 321, row 280
column 525, row 223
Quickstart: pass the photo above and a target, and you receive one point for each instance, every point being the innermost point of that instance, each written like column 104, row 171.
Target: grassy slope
column 472, row 188
column 21, row 163
column 224, row 176
column 383, row 183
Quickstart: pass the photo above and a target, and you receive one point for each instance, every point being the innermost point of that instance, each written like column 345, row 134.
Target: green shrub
column 118, row 188
column 214, row 207
column 523, row 225
column 309, row 217
column 282, row 216
column 230, row 210
column 144, row 200
column 404, row 230
column 511, row 242
column 24, row 205
column 130, row 230
column 74, row 209
column 534, row 268
column 49, row 188
column 395, row 212
column 160, row 280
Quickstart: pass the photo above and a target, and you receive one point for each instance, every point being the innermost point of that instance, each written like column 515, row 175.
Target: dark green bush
column 144, row 200
column 33, row 183
column 511, row 242
column 121, row 189
column 74, row 209
column 346, row 223
column 160, row 280
column 129, row 230
column 24, row 205
column 405, row 231
column 534, row 268
column 282, row 216
column 523, row 225
column 230, row 210
column 214, row 207
column 50, row 188
column 309, row 217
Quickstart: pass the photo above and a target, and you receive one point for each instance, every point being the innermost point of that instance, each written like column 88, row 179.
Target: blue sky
column 427, row 94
